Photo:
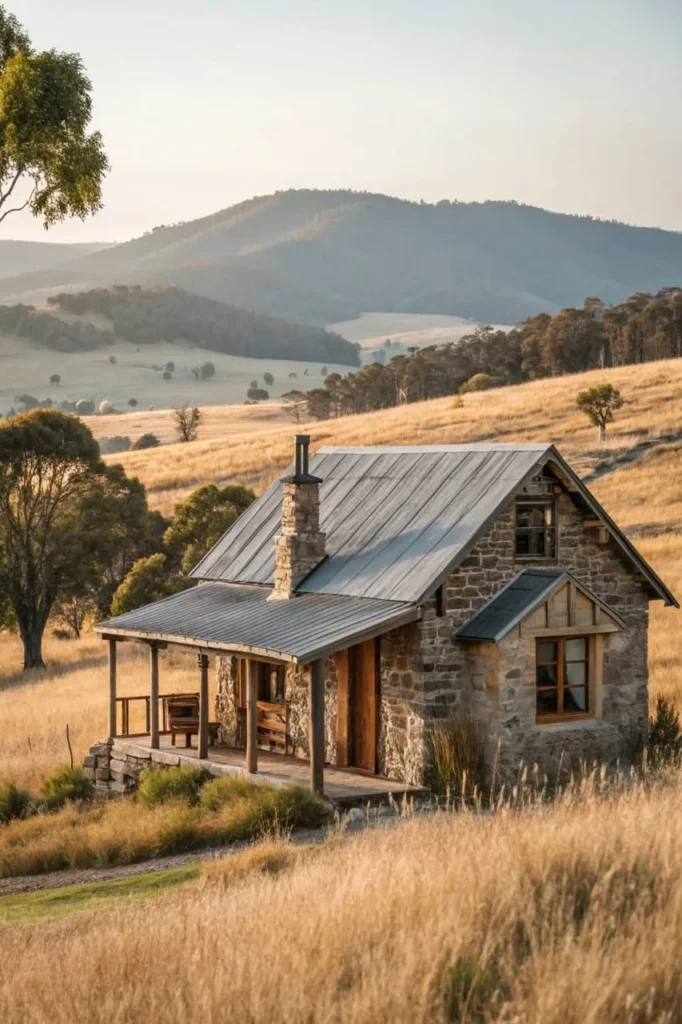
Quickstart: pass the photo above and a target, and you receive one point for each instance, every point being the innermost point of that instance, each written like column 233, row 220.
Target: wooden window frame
column 551, row 532
column 560, row 715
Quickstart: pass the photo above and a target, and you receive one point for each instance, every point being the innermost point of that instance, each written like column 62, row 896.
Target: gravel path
column 86, row 876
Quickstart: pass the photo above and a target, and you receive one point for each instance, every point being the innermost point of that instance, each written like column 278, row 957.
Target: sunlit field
column 232, row 447
column 565, row 914
column 645, row 498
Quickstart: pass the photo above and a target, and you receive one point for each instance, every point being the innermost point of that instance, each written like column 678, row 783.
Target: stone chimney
column 299, row 548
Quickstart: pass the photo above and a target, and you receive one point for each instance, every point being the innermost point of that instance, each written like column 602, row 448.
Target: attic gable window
column 535, row 535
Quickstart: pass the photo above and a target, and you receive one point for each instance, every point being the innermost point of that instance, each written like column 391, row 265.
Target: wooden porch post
column 203, row 706
column 251, row 716
column 154, row 696
column 316, row 738
column 112, row 689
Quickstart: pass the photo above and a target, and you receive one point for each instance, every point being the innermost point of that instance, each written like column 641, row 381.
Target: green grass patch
column 95, row 896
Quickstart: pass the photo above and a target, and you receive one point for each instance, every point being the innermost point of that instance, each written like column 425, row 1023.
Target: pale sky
column 567, row 104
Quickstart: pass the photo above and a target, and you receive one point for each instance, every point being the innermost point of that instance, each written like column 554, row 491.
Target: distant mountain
column 319, row 257
column 24, row 257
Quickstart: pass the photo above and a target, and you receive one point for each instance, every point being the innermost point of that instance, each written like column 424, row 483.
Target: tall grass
column 125, row 831
column 568, row 913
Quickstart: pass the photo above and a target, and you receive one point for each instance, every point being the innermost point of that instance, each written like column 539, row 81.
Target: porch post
column 112, row 689
column 203, row 706
column 316, row 738
column 251, row 716
column 154, row 696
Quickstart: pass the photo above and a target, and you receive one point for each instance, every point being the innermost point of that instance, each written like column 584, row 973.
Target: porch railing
column 125, row 703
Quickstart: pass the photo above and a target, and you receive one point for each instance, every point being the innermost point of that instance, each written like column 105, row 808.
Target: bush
column 257, row 807
column 112, row 445
column 167, row 375
column 481, row 382
column 85, row 407
column 14, row 803
column 66, row 785
column 132, row 402
column 160, row 785
column 146, row 441
column 258, row 394
column 665, row 733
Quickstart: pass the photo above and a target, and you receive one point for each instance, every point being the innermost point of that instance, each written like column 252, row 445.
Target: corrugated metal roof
column 521, row 595
column 399, row 519
column 223, row 616
column 396, row 518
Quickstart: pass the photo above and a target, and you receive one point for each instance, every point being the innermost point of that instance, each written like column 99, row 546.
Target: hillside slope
column 17, row 257
column 325, row 256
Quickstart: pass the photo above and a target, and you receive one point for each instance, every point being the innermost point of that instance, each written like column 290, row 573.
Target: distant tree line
column 149, row 315
column 51, row 332
column 643, row 328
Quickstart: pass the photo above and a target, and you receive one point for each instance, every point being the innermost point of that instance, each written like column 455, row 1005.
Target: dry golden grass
column 34, row 712
column 645, row 497
column 539, row 411
column 566, row 914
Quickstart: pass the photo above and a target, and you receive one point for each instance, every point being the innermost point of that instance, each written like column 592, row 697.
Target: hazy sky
column 568, row 104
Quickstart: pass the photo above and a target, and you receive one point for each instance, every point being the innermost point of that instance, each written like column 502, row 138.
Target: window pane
column 546, row 702
column 575, row 650
column 522, row 544
column 575, row 700
column 575, row 674
column 546, row 652
column 545, row 675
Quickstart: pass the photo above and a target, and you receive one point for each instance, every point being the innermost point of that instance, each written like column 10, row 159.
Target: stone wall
column 494, row 685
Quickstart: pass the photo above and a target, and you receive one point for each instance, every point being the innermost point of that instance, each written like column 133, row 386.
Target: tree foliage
column 200, row 521
column 644, row 327
column 148, row 315
column 599, row 404
column 187, row 421
column 69, row 526
column 45, row 146
column 147, row 581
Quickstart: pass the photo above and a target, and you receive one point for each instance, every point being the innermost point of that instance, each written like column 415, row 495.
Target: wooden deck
column 345, row 788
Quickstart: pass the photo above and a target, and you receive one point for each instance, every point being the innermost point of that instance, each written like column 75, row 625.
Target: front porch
column 342, row 788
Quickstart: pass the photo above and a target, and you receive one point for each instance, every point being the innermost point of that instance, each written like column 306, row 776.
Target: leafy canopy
column 600, row 403
column 201, row 520
column 45, row 147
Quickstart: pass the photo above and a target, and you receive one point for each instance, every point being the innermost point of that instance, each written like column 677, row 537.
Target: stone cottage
column 375, row 591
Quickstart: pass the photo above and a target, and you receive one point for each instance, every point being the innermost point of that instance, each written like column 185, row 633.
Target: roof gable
column 547, row 590
column 398, row 520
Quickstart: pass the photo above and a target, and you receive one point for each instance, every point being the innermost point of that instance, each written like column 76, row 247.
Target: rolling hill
column 18, row 257
column 327, row 256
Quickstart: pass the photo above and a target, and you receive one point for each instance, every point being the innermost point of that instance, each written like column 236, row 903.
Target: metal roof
column 399, row 519
column 395, row 518
column 222, row 616
column 521, row 595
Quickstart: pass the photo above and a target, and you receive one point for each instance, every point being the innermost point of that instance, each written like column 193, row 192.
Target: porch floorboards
column 340, row 787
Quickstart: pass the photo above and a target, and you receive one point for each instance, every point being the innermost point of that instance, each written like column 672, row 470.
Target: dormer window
column 536, row 527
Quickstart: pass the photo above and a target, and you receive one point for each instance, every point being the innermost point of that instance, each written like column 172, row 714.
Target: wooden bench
column 273, row 725
column 183, row 719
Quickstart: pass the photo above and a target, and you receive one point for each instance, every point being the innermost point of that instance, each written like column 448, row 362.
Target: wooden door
column 358, row 706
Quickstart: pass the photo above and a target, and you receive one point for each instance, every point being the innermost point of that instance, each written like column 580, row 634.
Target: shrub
column 160, row 785
column 112, row 445
column 481, row 382
column 257, row 807
column 226, row 790
column 85, row 407
column 258, row 394
column 14, row 803
column 665, row 732
column 146, row 441
column 170, row 366
column 66, row 785
column 132, row 402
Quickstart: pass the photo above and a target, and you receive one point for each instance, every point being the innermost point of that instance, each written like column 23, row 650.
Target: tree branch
column 16, row 209
column 5, row 195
